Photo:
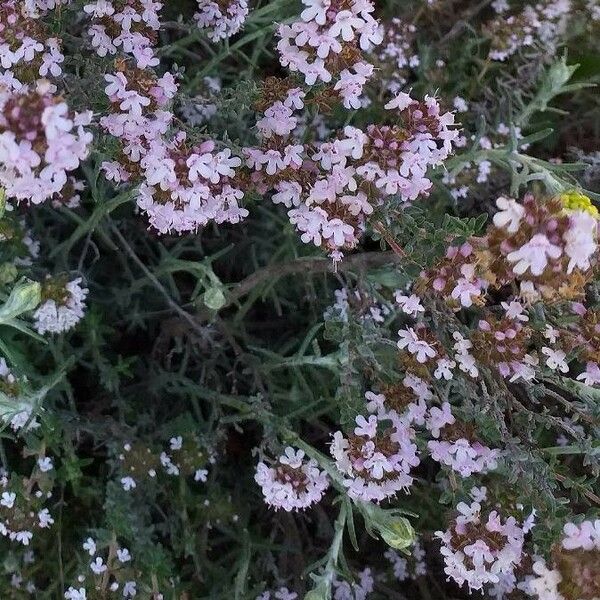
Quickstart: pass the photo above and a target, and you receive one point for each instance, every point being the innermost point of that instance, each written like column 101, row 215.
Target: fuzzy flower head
column 221, row 19
column 21, row 512
column 456, row 445
column 456, row 276
column 127, row 25
column 138, row 462
column 479, row 546
column 27, row 51
column 185, row 456
column 40, row 142
column 376, row 458
column 551, row 245
column 62, row 307
column 292, row 482
column 502, row 344
column 571, row 573
column 329, row 41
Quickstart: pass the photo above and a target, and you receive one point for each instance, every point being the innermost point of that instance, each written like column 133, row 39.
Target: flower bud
column 214, row 298
column 25, row 296
column 396, row 531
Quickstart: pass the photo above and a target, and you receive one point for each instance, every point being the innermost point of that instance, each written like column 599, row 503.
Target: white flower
column 176, row 443
column 400, row 102
column 556, row 359
column 129, row 589
column 591, row 375
column 316, row 11
column 73, row 594
column 24, row 537
column 444, row 369
column 90, row 546
column 201, row 475
column 128, row 483
column 45, row 519
column 366, row 427
column 98, row 566
column 123, row 555
column 510, row 215
column 8, row 499
column 514, row 310
column 411, row 305
column 45, row 464
column 410, row 341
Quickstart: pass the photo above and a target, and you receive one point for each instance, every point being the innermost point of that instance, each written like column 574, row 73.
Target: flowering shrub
column 299, row 299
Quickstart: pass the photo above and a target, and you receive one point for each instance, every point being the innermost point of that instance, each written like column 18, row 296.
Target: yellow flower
column 575, row 200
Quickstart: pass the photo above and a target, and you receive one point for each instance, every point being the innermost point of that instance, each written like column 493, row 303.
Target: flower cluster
column 358, row 303
column 130, row 25
column 281, row 594
column 544, row 251
column 27, row 51
column 376, row 458
column 455, row 443
column 329, row 41
column 358, row 590
column 291, row 482
column 21, row 508
column 409, row 567
column 548, row 246
column 185, row 457
column 331, row 189
column 503, row 344
column 455, row 277
column 222, row 18
column 184, row 185
column 457, row 446
column 113, row 574
column 473, row 178
column 37, row 8
column 480, row 546
column 540, row 24
column 40, row 142
column 396, row 55
column 574, row 566
column 62, row 307
column 137, row 462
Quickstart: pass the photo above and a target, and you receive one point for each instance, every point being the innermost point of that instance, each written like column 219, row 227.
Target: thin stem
column 156, row 283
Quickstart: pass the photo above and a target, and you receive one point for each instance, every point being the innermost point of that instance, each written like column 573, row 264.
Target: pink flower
column 580, row 240
column 591, row 375
column 292, row 483
column 410, row 341
column 534, row 255
column 346, row 24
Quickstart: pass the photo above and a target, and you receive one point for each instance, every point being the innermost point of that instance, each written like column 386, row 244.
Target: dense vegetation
column 299, row 300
